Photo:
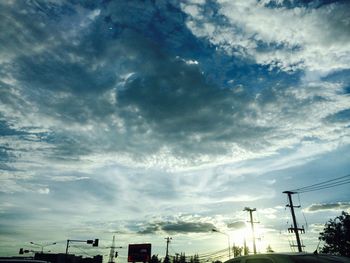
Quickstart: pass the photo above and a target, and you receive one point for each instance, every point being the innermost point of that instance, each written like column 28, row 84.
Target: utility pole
column 167, row 249
column 252, row 225
column 294, row 228
column 112, row 253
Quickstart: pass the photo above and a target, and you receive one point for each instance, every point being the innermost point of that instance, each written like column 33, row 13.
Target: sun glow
column 244, row 237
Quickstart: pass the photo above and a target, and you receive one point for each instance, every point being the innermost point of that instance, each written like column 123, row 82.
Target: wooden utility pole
column 252, row 225
column 294, row 228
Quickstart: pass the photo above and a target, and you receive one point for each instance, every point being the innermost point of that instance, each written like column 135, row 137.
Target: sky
column 153, row 119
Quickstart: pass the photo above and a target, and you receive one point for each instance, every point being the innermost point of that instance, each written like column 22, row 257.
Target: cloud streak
column 314, row 208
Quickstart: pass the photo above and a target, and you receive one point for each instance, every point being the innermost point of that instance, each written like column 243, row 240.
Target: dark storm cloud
column 237, row 225
column 9, row 230
column 341, row 116
column 10, row 152
column 187, row 227
column 117, row 78
column 54, row 72
column 166, row 103
column 178, row 227
column 152, row 228
column 6, row 152
column 330, row 206
column 172, row 100
column 161, row 21
column 6, row 130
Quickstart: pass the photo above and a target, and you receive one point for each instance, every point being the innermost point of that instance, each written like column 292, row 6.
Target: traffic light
column 23, row 251
column 95, row 244
column 90, row 241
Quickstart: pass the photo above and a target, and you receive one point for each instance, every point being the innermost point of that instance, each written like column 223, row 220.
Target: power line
column 207, row 256
column 324, row 185
column 82, row 251
column 302, row 212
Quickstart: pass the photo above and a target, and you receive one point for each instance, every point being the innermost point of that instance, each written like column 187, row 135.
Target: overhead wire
column 302, row 212
column 82, row 251
column 324, row 185
column 212, row 256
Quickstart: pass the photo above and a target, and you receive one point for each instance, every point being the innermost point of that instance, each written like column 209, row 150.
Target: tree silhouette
column 176, row 259
column 179, row 258
column 336, row 236
column 246, row 250
column 237, row 251
column 155, row 259
column 166, row 259
column 194, row 259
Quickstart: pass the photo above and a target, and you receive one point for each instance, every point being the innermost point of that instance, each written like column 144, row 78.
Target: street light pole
column 228, row 241
column 42, row 246
column 90, row 241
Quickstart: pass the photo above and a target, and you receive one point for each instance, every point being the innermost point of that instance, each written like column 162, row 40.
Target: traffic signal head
column 90, row 241
column 95, row 244
column 21, row 251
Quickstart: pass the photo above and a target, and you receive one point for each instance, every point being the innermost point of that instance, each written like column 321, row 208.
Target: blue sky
column 148, row 119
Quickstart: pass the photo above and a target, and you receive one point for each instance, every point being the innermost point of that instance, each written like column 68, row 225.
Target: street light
column 228, row 241
column 42, row 246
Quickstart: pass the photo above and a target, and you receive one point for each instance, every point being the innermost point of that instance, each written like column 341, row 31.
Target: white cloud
column 44, row 191
column 63, row 178
column 269, row 212
column 11, row 186
column 317, row 40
